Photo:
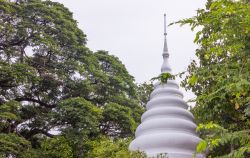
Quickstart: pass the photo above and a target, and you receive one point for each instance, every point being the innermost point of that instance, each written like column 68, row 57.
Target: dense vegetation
column 221, row 78
column 59, row 99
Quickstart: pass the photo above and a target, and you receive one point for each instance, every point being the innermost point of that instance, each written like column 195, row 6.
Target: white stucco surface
column 167, row 126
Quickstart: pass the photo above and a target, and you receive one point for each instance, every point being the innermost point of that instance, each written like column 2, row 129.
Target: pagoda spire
column 165, row 66
column 167, row 127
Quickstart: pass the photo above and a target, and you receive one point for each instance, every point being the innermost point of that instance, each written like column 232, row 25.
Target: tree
column 221, row 78
column 55, row 93
column 37, row 55
column 114, row 90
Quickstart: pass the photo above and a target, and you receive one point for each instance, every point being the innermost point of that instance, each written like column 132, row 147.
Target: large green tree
column 221, row 77
column 56, row 95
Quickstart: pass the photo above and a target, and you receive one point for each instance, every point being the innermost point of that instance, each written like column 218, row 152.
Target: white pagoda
column 167, row 126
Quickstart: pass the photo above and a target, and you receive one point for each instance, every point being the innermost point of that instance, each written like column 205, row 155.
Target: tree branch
column 36, row 101
column 40, row 131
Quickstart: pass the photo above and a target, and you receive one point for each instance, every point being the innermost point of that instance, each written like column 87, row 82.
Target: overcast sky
column 133, row 31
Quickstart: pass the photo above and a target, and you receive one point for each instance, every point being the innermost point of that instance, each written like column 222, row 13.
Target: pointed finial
column 165, row 66
column 165, row 25
column 165, row 49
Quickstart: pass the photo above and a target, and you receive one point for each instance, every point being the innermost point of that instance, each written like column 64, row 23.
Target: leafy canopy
column 56, row 94
column 220, row 78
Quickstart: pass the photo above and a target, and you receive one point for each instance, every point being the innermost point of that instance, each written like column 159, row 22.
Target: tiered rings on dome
column 167, row 126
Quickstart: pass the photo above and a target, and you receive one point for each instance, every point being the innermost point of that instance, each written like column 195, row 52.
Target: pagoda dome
column 167, row 127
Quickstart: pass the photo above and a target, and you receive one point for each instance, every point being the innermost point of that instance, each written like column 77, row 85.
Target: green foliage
column 218, row 138
column 192, row 80
column 104, row 147
column 143, row 92
column 9, row 115
column 117, row 120
column 81, row 120
column 202, row 146
column 212, row 132
column 12, row 75
column 57, row 147
column 12, row 145
column 164, row 77
column 77, row 113
column 118, row 77
column 56, row 94
column 221, row 78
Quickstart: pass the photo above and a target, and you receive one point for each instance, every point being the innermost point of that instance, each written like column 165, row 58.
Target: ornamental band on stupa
column 167, row 126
